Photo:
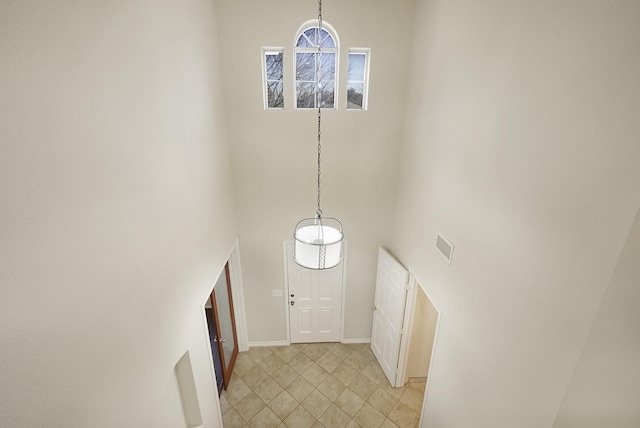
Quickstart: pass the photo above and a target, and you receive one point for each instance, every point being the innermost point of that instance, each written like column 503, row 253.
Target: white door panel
column 316, row 313
column 391, row 291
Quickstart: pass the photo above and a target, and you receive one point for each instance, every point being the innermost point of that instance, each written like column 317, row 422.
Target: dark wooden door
column 222, row 303
column 215, row 345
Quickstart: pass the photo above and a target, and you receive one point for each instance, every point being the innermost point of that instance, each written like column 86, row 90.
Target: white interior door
column 315, row 302
column 388, row 313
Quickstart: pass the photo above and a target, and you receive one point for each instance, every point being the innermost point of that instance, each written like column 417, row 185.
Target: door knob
column 293, row 295
column 374, row 308
column 293, row 303
column 223, row 340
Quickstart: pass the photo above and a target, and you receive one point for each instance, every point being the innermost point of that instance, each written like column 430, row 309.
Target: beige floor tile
column 299, row 418
column 300, row 362
column 364, row 348
column 243, row 364
column 412, row 399
column 388, row 424
column 249, row 406
column 283, row 405
column 328, row 361
column 334, row 417
column 271, row 363
column 349, row 402
column 268, row 390
column 392, row 391
column 232, row 419
column 265, row 419
column 357, row 360
column 314, row 350
column 403, row 416
column 331, row 388
column 362, row 386
column 299, row 346
column 292, row 387
column 286, row 353
column 418, row 385
column 341, row 350
column 382, row 401
column 225, row 406
column 315, row 374
column 300, row 389
column 284, row 376
column 254, row 377
column 259, row 353
column 368, row 417
column 237, row 390
column 374, row 373
column 345, row 374
column 316, row 404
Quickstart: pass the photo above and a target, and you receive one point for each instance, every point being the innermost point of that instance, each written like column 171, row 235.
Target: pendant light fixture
column 318, row 240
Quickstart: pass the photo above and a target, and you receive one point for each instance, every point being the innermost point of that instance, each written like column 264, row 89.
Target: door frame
column 286, row 288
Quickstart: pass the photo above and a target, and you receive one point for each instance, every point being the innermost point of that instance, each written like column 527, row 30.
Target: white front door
column 388, row 313
column 315, row 302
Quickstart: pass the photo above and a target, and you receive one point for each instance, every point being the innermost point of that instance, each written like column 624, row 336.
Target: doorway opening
column 421, row 334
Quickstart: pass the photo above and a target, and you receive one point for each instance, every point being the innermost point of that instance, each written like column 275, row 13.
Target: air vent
column 445, row 247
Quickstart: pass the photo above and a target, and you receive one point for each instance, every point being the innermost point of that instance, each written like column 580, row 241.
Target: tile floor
column 330, row 385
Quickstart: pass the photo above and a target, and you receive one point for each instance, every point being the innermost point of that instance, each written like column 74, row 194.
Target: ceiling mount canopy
column 318, row 240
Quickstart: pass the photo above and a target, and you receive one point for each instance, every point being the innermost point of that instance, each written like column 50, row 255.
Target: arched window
column 308, row 38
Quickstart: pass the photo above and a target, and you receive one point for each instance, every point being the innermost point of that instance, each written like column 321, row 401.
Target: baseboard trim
column 285, row 343
column 268, row 343
column 357, row 340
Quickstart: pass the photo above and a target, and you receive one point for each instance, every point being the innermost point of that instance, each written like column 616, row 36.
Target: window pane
column 305, row 94
column 304, row 41
column 355, row 92
column 327, row 94
column 274, row 66
column 305, row 66
column 327, row 66
column 275, row 94
column 311, row 34
column 326, row 40
column 356, row 67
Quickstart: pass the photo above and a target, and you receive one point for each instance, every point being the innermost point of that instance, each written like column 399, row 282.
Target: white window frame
column 313, row 23
column 365, row 92
column 265, row 93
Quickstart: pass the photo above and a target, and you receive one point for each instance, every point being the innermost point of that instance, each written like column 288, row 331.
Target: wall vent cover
column 445, row 247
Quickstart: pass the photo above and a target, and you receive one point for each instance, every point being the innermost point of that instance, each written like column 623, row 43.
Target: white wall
column 116, row 209
column 522, row 149
column 605, row 387
column 274, row 152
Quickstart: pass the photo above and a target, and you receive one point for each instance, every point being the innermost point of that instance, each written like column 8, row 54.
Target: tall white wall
column 521, row 147
column 274, row 152
column 116, row 209
column 605, row 386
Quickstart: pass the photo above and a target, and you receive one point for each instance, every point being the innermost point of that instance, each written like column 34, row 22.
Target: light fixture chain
column 318, row 91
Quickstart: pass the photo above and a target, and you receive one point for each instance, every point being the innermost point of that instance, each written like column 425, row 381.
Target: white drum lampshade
column 318, row 243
